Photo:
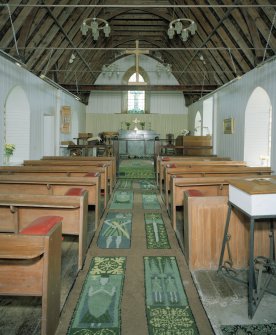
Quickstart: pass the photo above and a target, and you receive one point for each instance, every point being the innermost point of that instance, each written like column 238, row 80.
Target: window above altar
column 136, row 99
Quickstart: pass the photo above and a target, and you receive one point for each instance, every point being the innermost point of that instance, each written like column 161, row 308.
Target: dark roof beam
column 213, row 32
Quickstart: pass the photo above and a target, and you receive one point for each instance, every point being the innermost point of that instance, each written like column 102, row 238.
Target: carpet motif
column 258, row 329
column 148, row 184
column 136, row 169
column 124, row 184
column 136, row 173
column 116, row 231
column 98, row 309
column 168, row 311
column 122, row 200
column 156, row 233
column 150, row 201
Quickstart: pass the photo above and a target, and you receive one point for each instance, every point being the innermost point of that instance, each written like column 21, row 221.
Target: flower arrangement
column 127, row 124
column 9, row 149
column 142, row 124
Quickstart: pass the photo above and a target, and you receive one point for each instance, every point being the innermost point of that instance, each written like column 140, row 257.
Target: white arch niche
column 17, row 124
column 257, row 132
column 198, row 124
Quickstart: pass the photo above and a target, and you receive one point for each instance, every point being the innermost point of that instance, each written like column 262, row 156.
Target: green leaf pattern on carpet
column 124, row 184
column 116, row 231
column 122, row 200
column 156, row 233
column 150, row 201
column 258, row 329
column 168, row 311
column 98, row 309
column 148, row 184
column 136, row 169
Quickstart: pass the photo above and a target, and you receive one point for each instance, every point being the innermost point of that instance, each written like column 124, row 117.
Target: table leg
column 251, row 275
column 225, row 236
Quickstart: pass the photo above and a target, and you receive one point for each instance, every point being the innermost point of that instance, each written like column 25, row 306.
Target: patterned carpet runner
column 156, row 232
column 124, row 184
column 142, row 169
column 150, row 201
column 167, row 308
column 260, row 329
column 148, row 184
column 98, row 310
column 122, row 200
column 116, row 231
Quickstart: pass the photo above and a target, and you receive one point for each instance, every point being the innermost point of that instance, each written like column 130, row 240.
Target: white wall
column 231, row 101
column 162, row 124
column 168, row 112
column 43, row 99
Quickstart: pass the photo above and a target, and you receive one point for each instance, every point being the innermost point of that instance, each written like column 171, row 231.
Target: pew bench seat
column 45, row 185
column 30, row 265
column 17, row 210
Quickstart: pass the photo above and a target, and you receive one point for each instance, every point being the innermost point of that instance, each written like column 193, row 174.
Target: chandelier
column 95, row 24
column 110, row 70
column 183, row 27
column 163, row 68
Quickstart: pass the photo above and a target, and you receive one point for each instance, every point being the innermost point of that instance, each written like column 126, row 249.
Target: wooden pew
column 59, row 171
column 17, row 210
column 95, row 167
column 30, row 265
column 187, row 162
column 100, row 160
column 161, row 161
column 204, row 222
column 37, row 184
column 210, row 171
column 209, row 186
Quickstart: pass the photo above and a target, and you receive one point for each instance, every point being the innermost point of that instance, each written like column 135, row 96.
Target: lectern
column 256, row 198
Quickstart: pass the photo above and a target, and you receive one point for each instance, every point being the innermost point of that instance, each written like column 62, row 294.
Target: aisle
column 147, row 233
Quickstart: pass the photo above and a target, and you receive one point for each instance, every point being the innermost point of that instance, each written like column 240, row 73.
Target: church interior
column 137, row 167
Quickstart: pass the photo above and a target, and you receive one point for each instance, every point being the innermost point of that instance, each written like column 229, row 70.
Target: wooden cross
column 137, row 52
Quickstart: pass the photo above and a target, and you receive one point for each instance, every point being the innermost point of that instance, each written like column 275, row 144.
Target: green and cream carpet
column 136, row 169
column 135, row 280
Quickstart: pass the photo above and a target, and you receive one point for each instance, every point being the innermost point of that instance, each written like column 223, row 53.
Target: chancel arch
column 17, row 124
column 257, row 132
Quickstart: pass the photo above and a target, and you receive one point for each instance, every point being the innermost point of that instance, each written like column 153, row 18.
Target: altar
column 137, row 143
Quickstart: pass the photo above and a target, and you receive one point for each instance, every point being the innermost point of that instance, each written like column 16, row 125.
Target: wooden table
column 256, row 198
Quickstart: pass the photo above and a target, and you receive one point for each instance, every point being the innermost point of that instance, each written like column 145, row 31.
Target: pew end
column 30, row 265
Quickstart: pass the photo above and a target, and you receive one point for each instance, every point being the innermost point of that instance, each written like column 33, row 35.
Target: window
column 136, row 99
column 198, row 126
column 258, row 123
column 17, row 124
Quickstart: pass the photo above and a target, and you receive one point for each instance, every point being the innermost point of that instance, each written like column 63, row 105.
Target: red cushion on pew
column 41, row 225
column 194, row 193
column 171, row 166
column 75, row 191
column 92, row 174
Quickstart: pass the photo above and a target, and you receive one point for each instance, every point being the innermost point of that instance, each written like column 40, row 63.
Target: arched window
column 198, row 124
column 257, row 134
column 136, row 99
column 17, row 124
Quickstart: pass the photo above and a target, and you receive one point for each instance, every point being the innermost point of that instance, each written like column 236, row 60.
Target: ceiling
column 232, row 38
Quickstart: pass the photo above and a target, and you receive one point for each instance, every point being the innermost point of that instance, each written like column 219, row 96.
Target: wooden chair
column 30, row 265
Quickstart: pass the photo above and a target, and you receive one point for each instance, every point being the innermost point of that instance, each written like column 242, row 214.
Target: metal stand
column 255, row 288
